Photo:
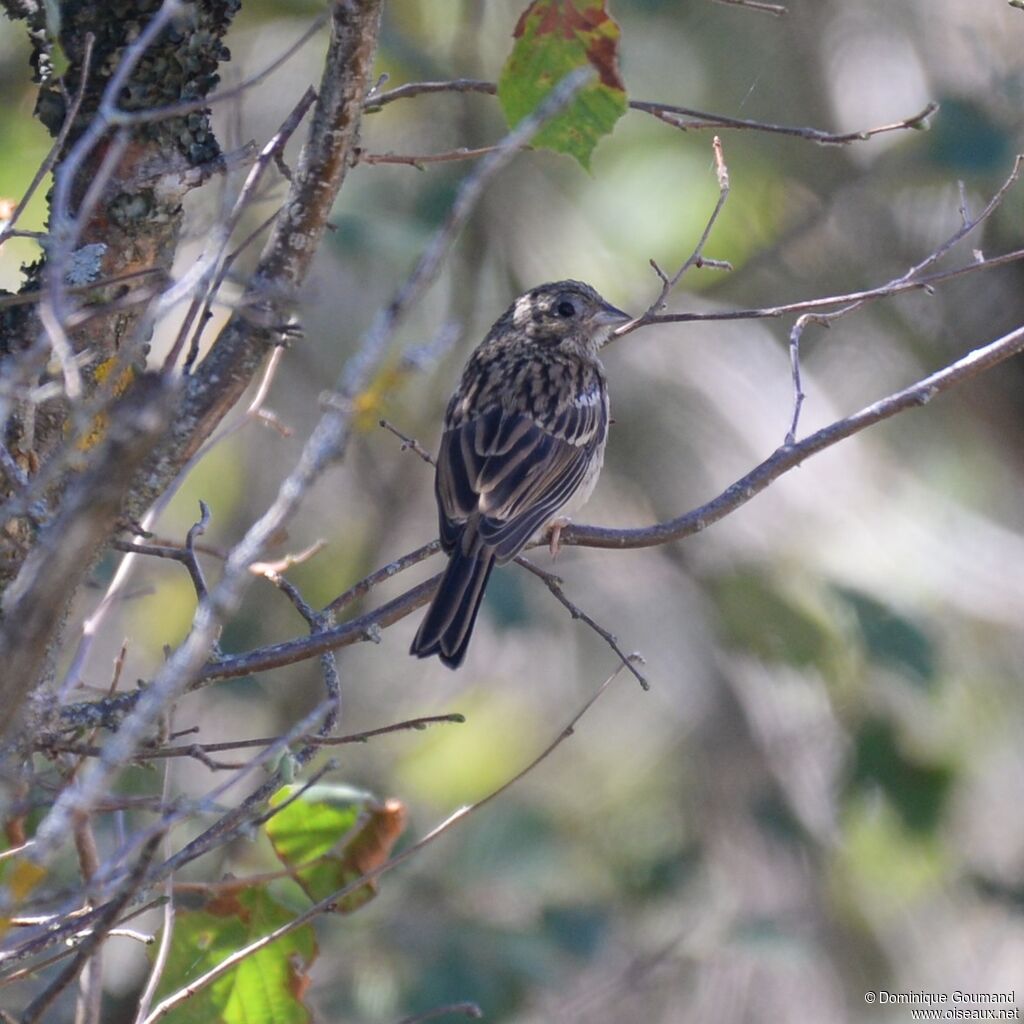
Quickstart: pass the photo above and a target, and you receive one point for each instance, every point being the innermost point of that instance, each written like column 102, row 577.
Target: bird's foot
column 555, row 536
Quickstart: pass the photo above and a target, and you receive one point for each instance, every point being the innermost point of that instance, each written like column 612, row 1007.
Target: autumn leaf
column 265, row 988
column 331, row 836
column 552, row 39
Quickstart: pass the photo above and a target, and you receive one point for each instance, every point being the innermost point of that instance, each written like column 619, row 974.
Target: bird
column 522, row 446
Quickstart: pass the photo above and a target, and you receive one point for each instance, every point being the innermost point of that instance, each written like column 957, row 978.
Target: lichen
column 180, row 66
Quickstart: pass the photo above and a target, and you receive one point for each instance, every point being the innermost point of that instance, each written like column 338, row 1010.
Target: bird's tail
column 448, row 624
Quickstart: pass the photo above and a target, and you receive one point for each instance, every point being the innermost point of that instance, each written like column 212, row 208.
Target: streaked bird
column 522, row 447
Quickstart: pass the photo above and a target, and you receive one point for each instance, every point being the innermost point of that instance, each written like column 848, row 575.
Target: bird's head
column 566, row 311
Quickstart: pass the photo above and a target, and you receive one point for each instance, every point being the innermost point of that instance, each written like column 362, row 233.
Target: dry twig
column 327, row 904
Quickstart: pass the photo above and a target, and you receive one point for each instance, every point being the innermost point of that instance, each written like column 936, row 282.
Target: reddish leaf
column 553, row 38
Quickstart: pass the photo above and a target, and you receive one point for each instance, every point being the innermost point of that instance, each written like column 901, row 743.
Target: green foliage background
column 822, row 792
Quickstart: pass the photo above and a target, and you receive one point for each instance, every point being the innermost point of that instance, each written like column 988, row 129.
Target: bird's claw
column 555, row 536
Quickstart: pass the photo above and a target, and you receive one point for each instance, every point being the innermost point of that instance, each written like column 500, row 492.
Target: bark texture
column 134, row 226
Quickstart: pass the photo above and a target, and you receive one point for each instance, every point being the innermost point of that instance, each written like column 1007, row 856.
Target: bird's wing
column 513, row 474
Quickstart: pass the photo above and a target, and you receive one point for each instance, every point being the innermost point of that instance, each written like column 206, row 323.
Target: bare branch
column 327, row 904
column 195, row 570
column 167, row 930
column 778, row 10
column 29, row 298
column 695, row 258
column 825, row 319
column 676, row 115
column 885, row 291
column 470, row 1010
column 670, row 113
column 58, row 144
column 732, row 498
column 34, row 603
column 215, row 266
column 99, row 930
column 193, row 749
column 417, row 160
column 377, row 101
column 554, row 584
column 792, row 455
column 318, row 622
column 90, row 993
column 409, row 443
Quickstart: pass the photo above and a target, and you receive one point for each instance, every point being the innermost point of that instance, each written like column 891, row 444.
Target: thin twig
column 58, row 144
column 212, row 276
column 967, row 225
column 417, row 160
column 732, row 498
column 285, row 562
column 90, row 993
column 15, row 850
column 778, row 10
column 167, row 931
column 885, row 291
column 670, row 113
column 318, row 622
column 327, row 904
column 676, row 116
column 30, row 297
column 409, row 443
column 67, row 935
column 195, row 570
column 191, row 749
column 470, row 1010
column 97, row 934
column 695, row 258
column 554, row 584
column 378, row 100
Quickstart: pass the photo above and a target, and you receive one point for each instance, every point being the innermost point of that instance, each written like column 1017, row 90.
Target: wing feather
column 501, row 476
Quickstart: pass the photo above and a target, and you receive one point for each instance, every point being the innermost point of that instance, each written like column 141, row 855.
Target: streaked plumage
column 523, row 443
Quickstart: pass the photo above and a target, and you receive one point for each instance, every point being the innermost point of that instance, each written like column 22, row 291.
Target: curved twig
column 733, row 497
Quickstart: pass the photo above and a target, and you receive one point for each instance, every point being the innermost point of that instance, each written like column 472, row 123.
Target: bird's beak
column 609, row 316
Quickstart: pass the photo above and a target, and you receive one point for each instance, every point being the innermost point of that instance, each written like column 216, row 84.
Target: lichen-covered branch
column 116, row 209
column 267, row 305
column 34, row 604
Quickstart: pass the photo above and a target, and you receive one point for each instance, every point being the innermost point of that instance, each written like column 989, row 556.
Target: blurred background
column 822, row 793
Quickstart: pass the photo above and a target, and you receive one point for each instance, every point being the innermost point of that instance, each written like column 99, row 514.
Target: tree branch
column 732, row 498
column 34, row 604
column 669, row 113
column 328, row 903
column 267, row 303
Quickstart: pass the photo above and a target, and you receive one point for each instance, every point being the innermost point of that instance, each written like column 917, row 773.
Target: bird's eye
column 566, row 309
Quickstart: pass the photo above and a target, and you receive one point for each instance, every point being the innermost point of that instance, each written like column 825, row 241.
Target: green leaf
column 578, row 930
column 892, row 639
column 757, row 617
column 313, row 823
column 265, row 988
column 552, row 39
column 918, row 789
column 882, row 869
column 332, row 835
